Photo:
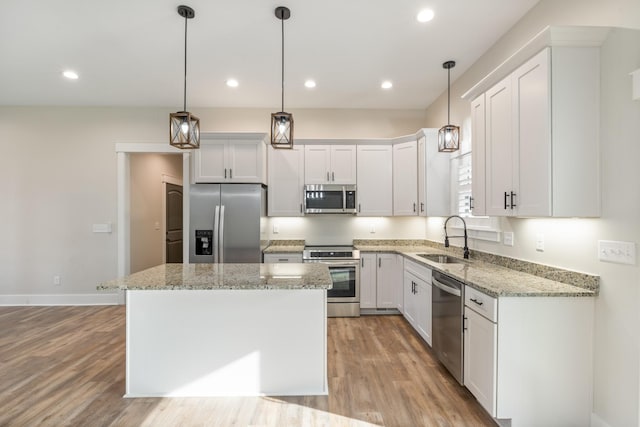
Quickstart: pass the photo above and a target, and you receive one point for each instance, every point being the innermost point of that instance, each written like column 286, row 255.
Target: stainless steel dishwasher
column 447, row 334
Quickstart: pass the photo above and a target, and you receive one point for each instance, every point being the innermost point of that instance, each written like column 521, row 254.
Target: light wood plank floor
column 65, row 366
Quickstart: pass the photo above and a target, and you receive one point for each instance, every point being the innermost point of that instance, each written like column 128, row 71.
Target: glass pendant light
column 449, row 135
column 281, row 122
column 184, row 127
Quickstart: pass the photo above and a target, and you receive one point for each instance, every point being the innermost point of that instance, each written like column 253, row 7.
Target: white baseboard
column 596, row 421
column 62, row 299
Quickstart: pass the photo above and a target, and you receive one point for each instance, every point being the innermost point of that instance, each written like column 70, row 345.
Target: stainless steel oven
column 343, row 300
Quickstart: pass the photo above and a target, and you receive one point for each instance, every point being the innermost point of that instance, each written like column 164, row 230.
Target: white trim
column 168, row 179
column 62, row 299
column 550, row 36
column 596, row 421
column 124, row 212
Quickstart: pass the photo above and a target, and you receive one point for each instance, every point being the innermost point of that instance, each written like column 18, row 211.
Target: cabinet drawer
column 418, row 270
column 282, row 257
column 481, row 303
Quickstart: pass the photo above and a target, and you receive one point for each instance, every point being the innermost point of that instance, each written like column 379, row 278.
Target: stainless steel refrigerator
column 226, row 222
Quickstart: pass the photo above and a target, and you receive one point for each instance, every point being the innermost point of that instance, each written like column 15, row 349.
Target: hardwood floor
column 66, row 366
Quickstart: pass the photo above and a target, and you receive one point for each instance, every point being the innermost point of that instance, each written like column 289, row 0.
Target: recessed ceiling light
column 425, row 15
column 310, row 84
column 232, row 83
column 71, row 75
column 386, row 84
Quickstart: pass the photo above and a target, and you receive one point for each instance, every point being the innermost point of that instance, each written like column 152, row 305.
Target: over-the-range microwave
column 329, row 199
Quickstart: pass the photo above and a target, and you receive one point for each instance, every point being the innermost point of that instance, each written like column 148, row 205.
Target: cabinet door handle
column 513, row 195
column 414, row 206
column 333, row 176
column 476, row 301
column 300, row 207
column 470, row 202
column 505, row 199
column 464, row 323
column 362, row 262
column 328, row 176
column 283, row 259
column 359, row 208
column 421, row 206
column 230, row 173
column 225, row 173
column 379, row 262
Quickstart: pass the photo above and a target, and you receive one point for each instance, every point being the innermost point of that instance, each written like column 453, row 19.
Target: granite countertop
column 284, row 246
column 490, row 278
column 225, row 276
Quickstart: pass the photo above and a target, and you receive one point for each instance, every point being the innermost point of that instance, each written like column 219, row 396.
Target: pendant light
column 184, row 128
column 281, row 122
column 449, row 135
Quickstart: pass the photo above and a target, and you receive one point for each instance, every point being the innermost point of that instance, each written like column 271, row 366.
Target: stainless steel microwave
column 330, row 199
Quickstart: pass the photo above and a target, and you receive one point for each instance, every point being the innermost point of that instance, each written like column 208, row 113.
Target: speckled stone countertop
column 225, row 276
column 493, row 279
column 284, row 246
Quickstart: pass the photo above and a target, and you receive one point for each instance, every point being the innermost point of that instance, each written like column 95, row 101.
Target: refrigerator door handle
column 221, row 241
column 216, row 234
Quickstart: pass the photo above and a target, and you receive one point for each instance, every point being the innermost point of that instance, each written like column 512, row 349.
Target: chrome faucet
column 446, row 237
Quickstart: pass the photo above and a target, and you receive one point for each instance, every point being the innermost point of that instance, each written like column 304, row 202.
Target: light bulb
column 447, row 136
column 282, row 127
column 184, row 127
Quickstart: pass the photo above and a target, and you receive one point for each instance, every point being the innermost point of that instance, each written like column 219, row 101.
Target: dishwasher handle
column 448, row 289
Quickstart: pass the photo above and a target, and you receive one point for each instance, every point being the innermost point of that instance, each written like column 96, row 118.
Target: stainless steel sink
column 441, row 259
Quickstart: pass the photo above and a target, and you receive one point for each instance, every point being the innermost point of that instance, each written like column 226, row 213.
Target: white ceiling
column 130, row 52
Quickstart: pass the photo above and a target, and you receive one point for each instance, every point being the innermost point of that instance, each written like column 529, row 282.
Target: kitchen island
column 226, row 329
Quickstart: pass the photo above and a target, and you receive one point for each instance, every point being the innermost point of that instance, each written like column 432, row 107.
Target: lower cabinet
column 417, row 298
column 282, row 257
column 529, row 359
column 380, row 281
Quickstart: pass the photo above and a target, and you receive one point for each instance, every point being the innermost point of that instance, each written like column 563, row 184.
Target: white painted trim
column 186, row 191
column 596, row 421
column 550, row 36
column 124, row 212
column 168, row 179
column 61, row 299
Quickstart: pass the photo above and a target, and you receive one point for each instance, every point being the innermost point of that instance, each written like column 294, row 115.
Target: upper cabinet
column 405, row 179
column 538, row 131
column 375, row 180
column 286, row 181
column 230, row 158
column 330, row 164
column 433, row 176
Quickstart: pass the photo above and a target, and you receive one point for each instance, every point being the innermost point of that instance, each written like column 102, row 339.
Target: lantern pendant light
column 449, row 135
column 281, row 122
column 184, row 127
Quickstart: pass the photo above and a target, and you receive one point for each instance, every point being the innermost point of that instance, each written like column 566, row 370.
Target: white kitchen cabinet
column 286, row 181
column 522, row 354
column 375, row 180
column 230, row 161
column 330, row 164
column 417, row 298
column 478, row 138
column 380, row 280
column 405, row 179
column 433, row 176
column 542, row 140
column 480, row 350
column 283, row 257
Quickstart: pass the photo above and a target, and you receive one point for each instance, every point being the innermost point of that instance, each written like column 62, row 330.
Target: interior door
column 173, row 240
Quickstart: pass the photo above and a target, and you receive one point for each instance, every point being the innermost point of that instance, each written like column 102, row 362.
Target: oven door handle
column 353, row 263
column 448, row 289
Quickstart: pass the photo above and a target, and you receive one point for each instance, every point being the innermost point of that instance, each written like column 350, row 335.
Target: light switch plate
column 507, row 238
column 102, row 228
column 276, row 229
column 618, row 252
column 540, row 242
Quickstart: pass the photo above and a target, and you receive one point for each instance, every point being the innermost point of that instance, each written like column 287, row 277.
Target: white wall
column 58, row 176
column 338, row 229
column 147, row 211
column 572, row 243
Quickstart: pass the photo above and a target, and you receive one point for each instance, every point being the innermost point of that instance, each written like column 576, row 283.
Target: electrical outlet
column 618, row 252
column 540, row 242
column 507, row 238
column 56, row 280
column 372, row 229
column 276, row 229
